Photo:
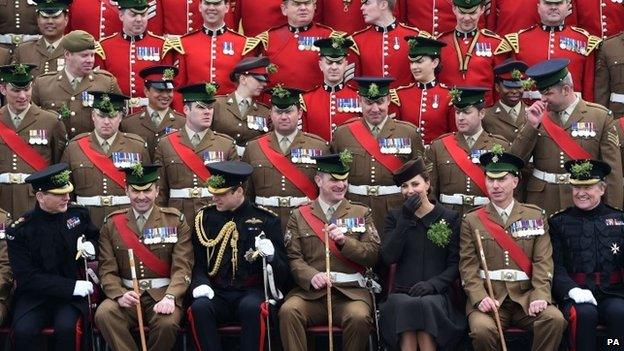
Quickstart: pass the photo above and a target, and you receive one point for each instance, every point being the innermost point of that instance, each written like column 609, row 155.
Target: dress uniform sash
column 317, row 226
column 21, row 148
column 461, row 158
column 621, row 120
column 189, row 157
column 364, row 137
column 564, row 140
column 506, row 242
column 143, row 253
column 102, row 162
column 290, row 171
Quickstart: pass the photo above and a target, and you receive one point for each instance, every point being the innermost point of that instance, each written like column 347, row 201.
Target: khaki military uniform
column 552, row 191
column 609, row 90
column 228, row 120
column 5, row 56
column 91, row 185
column 116, row 322
column 369, row 181
column 53, row 91
column 306, row 306
column 619, row 126
column 513, row 293
column 141, row 124
column 45, row 134
column 6, row 276
column 498, row 121
column 268, row 186
column 18, row 17
column 180, row 187
column 36, row 53
column 449, row 184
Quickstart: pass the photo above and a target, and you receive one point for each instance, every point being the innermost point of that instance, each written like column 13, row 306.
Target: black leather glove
column 421, row 289
column 411, row 205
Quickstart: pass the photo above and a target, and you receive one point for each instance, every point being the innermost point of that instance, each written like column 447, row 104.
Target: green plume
column 216, row 181
column 337, row 42
column 168, row 74
column 373, row 90
column 137, row 170
column 61, row 178
column 497, row 149
column 280, row 92
column 455, row 94
column 20, row 69
column 211, row 88
column 582, row 169
column 271, row 68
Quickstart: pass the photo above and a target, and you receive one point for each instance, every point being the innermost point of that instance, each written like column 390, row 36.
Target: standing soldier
column 95, row 158
column 380, row 145
column 229, row 289
column 5, row 57
column 161, row 242
column 211, row 53
column 238, row 114
column 42, row 246
column 291, row 46
column 380, row 49
column 561, row 127
column 32, row 138
column 433, row 16
column 158, row 118
column 517, row 249
column 509, row 16
column 609, row 92
column 334, row 102
column 47, row 52
column 283, row 160
column 471, row 54
column 427, row 102
column 6, row 275
column 181, row 16
column 456, row 176
column 552, row 38
column 255, row 17
column 589, row 287
column 344, row 16
column 354, row 246
column 18, row 22
column 184, row 153
column 67, row 92
column 126, row 53
column 602, row 18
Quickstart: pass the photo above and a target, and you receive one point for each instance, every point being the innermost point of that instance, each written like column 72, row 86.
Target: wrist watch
column 170, row 297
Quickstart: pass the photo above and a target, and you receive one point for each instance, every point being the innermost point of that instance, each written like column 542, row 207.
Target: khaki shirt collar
column 101, row 140
column 380, row 125
column 21, row 115
column 146, row 214
column 192, row 133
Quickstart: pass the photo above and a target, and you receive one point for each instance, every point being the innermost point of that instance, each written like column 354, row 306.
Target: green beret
column 78, row 40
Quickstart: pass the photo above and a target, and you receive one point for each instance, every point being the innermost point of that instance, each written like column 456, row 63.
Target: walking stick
column 488, row 283
column 135, row 285
column 83, row 254
column 330, row 322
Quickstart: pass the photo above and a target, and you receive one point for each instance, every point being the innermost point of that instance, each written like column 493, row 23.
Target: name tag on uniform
column 349, row 105
column 125, row 159
column 351, row 224
column 148, row 53
column 584, row 130
column 38, row 137
column 304, row 155
column 475, row 154
column 73, row 222
column 395, row 146
column 213, row 156
column 307, row 43
column 527, row 228
column 160, row 235
column 257, row 123
column 613, row 222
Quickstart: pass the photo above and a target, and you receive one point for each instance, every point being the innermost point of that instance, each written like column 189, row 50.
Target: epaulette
column 250, row 44
column 134, row 137
column 264, row 38
column 512, row 39
column 394, row 97
column 614, row 208
column 592, row 40
column 535, row 207
column 49, row 74
column 500, row 138
column 402, row 87
column 229, row 138
column 424, row 34
column 598, row 106
column 206, row 207
column 337, row 34
column 350, row 120
column 74, row 204
column 442, row 136
column 302, row 103
column 18, row 222
column 442, row 85
column 262, row 104
column 406, row 123
column 559, row 212
column 473, row 209
column 80, row 136
column 173, row 42
column 264, row 209
column 174, row 211
column 99, row 50
column 489, row 33
column 120, row 211
column 361, row 204
column 104, row 72
column 314, row 136
column 108, row 37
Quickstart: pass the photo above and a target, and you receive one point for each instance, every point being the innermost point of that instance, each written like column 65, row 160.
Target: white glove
column 83, row 288
column 266, row 248
column 582, row 296
column 203, row 291
column 86, row 247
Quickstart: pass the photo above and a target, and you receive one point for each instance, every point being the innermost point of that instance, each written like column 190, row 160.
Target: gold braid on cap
column 228, row 233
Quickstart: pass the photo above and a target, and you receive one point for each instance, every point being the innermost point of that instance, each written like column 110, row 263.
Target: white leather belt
column 281, row 201
column 615, row 97
column 102, row 200
column 189, row 193
column 374, row 190
column 138, row 102
column 145, row 284
column 338, row 277
column 13, row 178
column 240, row 150
column 553, row 178
column 17, row 38
column 461, row 199
column 505, row 275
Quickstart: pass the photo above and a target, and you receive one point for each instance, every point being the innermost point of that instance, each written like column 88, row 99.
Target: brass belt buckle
column 372, row 190
column 15, row 178
column 283, row 201
column 562, row 178
column 195, row 192
column 468, row 200
column 16, row 38
column 509, row 276
column 145, row 284
column 106, row 200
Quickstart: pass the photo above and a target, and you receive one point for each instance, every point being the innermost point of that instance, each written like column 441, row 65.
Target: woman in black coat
column 422, row 239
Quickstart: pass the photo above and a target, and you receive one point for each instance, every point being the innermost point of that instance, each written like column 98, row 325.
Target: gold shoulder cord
column 228, row 233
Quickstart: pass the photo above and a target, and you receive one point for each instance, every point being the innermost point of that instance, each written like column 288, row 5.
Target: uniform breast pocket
column 616, row 69
column 264, row 173
column 310, row 245
column 163, row 251
column 121, row 255
column 490, row 248
column 445, row 172
column 360, row 158
column 175, row 170
column 83, row 175
column 52, row 105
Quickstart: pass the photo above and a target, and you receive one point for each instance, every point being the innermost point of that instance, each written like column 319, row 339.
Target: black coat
column 250, row 221
column 587, row 242
column 42, row 255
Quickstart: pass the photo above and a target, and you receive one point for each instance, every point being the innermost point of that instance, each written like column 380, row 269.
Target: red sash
column 317, row 226
column 129, row 238
column 462, row 159
column 102, row 162
column 564, row 140
column 188, row 156
column 621, row 120
column 506, row 242
column 364, row 137
column 287, row 169
column 21, row 148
